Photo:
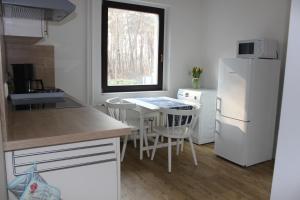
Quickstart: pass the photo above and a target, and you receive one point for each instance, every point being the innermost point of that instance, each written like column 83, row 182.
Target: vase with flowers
column 196, row 72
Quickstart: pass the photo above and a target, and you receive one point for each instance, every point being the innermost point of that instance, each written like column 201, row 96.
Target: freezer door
column 233, row 88
column 230, row 141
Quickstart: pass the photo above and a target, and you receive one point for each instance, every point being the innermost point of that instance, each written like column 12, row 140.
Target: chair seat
column 134, row 124
column 177, row 132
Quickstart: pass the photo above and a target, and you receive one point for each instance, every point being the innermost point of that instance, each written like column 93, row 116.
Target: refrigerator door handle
column 217, row 126
column 218, row 104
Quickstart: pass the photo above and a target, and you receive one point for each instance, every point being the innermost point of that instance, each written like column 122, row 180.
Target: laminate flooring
column 213, row 178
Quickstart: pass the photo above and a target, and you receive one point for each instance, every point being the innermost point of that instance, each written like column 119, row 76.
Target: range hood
column 51, row 10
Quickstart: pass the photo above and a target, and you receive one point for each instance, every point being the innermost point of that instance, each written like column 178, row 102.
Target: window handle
column 161, row 58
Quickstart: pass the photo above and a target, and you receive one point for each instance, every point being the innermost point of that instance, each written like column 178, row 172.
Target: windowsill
column 137, row 92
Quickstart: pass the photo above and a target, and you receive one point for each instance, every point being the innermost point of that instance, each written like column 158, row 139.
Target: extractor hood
column 52, row 10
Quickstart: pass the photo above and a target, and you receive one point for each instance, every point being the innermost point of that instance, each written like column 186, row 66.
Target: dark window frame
column 161, row 13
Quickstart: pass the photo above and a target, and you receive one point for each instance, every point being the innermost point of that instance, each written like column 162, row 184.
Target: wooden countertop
column 60, row 126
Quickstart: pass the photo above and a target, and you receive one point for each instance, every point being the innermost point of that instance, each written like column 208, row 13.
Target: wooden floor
column 214, row 178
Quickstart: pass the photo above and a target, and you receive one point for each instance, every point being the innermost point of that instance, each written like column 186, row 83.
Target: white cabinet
column 24, row 27
column 85, row 170
column 23, row 22
column 205, row 130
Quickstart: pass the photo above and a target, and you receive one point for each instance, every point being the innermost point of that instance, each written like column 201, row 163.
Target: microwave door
column 246, row 48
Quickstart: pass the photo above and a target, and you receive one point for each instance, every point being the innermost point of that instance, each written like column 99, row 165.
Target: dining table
column 148, row 105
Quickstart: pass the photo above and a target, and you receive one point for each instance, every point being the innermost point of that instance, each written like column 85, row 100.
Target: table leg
column 141, row 134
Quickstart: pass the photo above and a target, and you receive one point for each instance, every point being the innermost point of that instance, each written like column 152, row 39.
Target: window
column 132, row 47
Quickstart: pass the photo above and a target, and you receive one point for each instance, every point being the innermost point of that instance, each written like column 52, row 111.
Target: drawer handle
column 61, row 150
column 14, row 157
column 219, row 104
column 217, row 124
column 65, row 158
column 67, row 167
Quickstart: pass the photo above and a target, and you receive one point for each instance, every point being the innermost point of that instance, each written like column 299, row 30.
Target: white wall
column 183, row 30
column 69, row 39
column 232, row 20
column 198, row 32
column 286, row 180
column 77, row 42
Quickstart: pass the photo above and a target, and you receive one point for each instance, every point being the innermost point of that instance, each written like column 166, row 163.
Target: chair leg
column 146, row 143
column 177, row 146
column 162, row 139
column 169, row 155
column 193, row 150
column 134, row 140
column 124, row 147
column 182, row 144
column 151, row 125
column 155, row 146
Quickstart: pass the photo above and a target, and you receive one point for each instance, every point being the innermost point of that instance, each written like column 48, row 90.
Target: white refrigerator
column 246, row 109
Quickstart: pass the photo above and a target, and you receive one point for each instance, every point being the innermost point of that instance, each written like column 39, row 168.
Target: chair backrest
column 117, row 109
column 174, row 118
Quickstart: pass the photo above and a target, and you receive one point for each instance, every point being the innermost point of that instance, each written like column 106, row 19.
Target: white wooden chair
column 177, row 124
column 118, row 110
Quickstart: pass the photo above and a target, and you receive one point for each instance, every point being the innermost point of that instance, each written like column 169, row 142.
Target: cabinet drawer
column 65, row 156
column 92, row 182
column 64, row 146
column 84, row 170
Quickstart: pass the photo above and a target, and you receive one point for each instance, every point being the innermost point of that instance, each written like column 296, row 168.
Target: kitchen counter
column 66, row 139
column 38, row 128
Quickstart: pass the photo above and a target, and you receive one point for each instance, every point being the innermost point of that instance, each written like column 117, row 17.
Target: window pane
column 132, row 48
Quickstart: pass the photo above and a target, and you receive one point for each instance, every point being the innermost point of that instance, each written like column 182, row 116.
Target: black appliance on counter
column 24, row 79
column 22, row 73
column 30, row 94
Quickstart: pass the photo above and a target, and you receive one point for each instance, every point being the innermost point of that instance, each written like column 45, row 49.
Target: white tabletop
column 143, row 104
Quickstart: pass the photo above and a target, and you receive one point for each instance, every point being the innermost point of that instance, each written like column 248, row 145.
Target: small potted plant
column 196, row 72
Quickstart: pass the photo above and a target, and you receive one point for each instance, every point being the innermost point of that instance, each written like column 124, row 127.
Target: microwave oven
column 257, row 48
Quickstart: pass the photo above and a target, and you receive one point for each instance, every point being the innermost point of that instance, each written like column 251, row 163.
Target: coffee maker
column 24, row 79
